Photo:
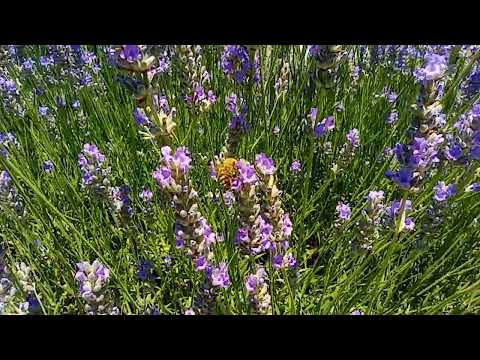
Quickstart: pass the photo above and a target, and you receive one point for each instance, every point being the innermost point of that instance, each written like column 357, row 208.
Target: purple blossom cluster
column 474, row 187
column 121, row 201
column 442, row 191
column 324, row 126
column 258, row 293
column 344, row 212
column 95, row 173
column 423, row 153
column 435, row 68
column 264, row 227
column 157, row 121
column 9, row 198
column 347, row 152
column 295, row 167
column 96, row 179
column 146, row 195
column 465, row 146
column 357, row 312
column 281, row 85
column 238, row 108
column 134, row 58
column 11, row 100
column 93, row 279
column 471, row 86
column 48, row 166
column 277, row 227
column 145, row 271
column 17, row 289
column 375, row 206
column 392, row 213
column 199, row 98
column 392, row 118
column 216, row 278
column 7, row 140
column 65, row 63
column 195, row 78
column 416, row 159
column 355, row 73
column 144, row 63
column 192, row 231
column 390, row 95
column 239, row 64
column 369, row 226
column 437, row 211
column 353, row 137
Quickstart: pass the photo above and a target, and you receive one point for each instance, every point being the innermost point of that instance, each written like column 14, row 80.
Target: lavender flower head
column 93, row 279
column 7, row 140
column 130, row 53
column 48, row 166
column 296, row 167
column 236, row 63
column 140, row 118
column 435, row 68
column 265, row 164
column 192, row 231
column 43, row 110
column 258, row 293
column 174, row 166
column 344, row 211
column 284, row 261
column 146, row 195
column 91, row 162
column 145, row 271
column 375, row 197
column 393, row 211
column 219, row 276
column 474, row 187
column 327, row 124
column 442, row 191
column 392, row 118
column 353, row 138
column 247, row 175
column 121, row 201
column 403, row 177
column 228, row 198
column 9, row 197
column 357, row 312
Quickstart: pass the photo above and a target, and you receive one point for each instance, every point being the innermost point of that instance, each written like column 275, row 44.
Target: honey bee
column 226, row 171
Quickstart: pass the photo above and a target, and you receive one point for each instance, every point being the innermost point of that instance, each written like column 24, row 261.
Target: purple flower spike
column 475, row 187
column 200, row 263
column 454, row 153
column 47, row 166
column 344, row 211
column 130, row 53
column 353, row 138
column 265, row 164
column 220, row 277
column 442, row 192
column 296, row 166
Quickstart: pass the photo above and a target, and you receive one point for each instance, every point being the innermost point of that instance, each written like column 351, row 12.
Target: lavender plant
column 300, row 219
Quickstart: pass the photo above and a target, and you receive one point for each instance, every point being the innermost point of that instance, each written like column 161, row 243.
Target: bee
column 427, row 131
column 226, row 171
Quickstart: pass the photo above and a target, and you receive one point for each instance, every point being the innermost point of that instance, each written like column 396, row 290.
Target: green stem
column 401, row 220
